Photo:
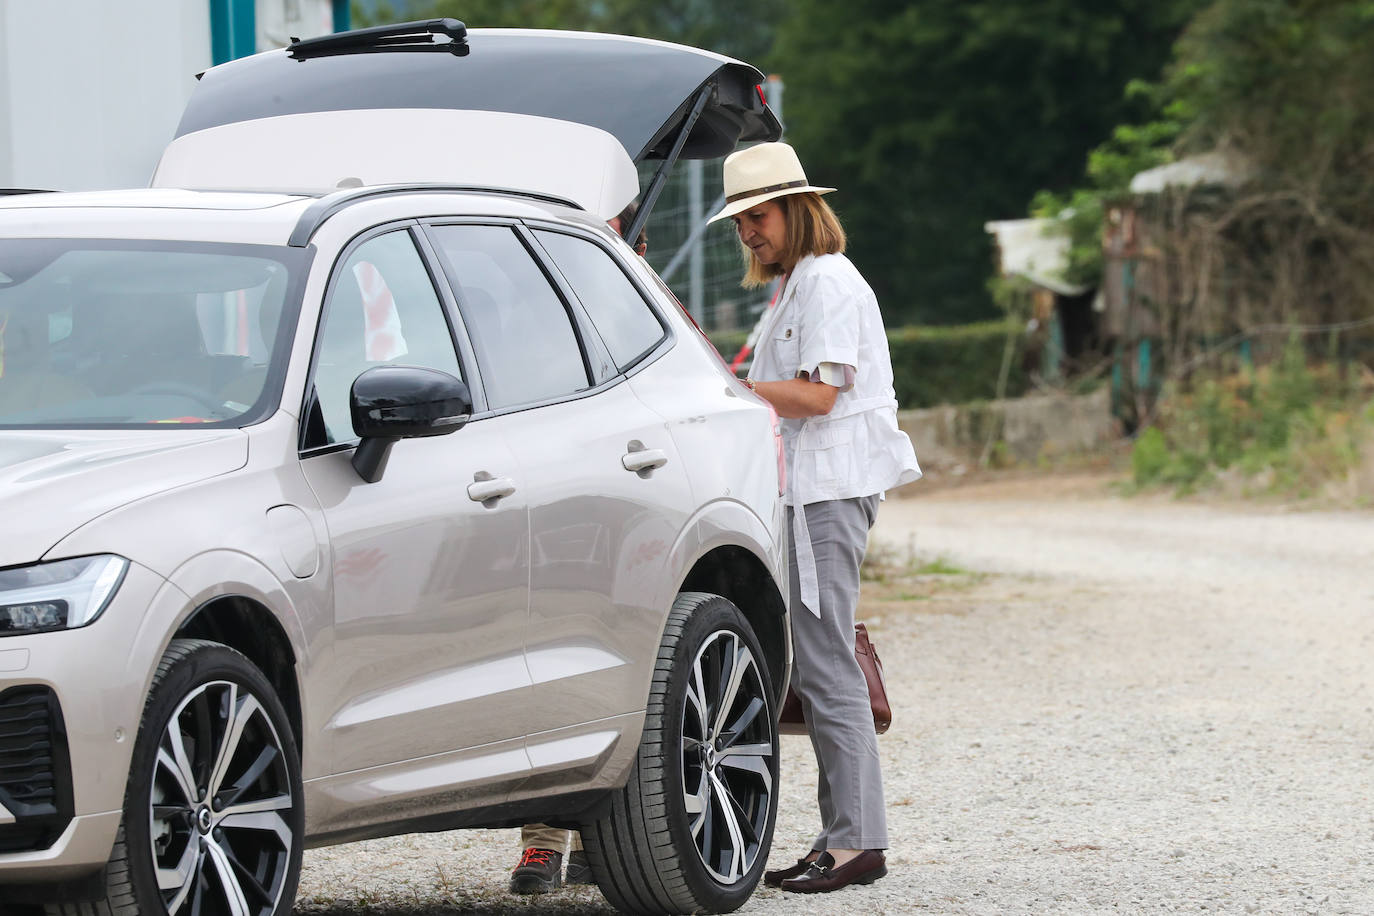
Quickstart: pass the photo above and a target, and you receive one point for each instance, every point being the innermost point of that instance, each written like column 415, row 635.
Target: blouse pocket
column 787, row 345
column 831, row 454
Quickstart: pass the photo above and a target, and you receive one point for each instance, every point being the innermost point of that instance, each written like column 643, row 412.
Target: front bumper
column 35, row 769
column 70, row 706
column 82, row 848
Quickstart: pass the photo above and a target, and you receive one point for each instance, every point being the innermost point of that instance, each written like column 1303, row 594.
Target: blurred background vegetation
column 1247, row 344
column 931, row 117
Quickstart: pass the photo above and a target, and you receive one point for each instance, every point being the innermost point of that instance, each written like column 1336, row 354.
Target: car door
column 430, row 563
column 606, row 492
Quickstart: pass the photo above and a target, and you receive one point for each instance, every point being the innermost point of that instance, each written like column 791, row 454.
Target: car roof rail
column 6, row 192
column 449, row 35
column 325, row 207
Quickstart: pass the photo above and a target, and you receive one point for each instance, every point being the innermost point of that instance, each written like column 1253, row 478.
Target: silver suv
column 378, row 487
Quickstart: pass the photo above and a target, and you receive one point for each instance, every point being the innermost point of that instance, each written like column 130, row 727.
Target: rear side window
column 622, row 317
column 526, row 347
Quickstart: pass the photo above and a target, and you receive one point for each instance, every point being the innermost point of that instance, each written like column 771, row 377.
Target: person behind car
column 621, row 222
column 822, row 362
column 539, row 870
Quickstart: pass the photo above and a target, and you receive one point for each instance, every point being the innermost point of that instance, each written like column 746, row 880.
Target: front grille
column 35, row 769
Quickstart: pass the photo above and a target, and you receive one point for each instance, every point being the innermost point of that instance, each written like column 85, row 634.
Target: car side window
column 622, row 317
column 382, row 310
column 526, row 347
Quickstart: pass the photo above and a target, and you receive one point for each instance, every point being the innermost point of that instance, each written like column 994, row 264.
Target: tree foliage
column 934, row 117
column 723, row 26
column 1284, row 89
column 1131, row 149
column 931, row 117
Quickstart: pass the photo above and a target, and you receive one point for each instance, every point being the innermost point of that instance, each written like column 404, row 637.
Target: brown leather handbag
column 792, row 722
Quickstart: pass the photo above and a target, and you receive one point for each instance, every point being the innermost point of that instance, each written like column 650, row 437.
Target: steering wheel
column 181, row 389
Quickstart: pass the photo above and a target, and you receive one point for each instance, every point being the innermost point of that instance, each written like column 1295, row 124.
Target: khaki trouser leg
column 542, row 836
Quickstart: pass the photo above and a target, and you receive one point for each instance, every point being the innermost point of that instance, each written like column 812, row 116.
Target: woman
column 822, row 362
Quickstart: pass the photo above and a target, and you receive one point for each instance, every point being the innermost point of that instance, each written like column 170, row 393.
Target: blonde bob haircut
column 812, row 228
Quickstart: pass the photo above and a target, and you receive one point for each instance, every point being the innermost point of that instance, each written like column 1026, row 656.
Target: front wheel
column 690, row 832
column 213, row 815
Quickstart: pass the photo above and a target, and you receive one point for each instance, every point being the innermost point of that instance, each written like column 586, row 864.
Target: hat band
column 768, row 190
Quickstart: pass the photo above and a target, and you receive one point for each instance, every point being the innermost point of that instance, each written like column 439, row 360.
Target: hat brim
column 739, row 206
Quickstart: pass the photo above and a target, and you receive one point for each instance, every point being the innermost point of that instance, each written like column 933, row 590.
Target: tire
column 234, row 847
column 690, row 831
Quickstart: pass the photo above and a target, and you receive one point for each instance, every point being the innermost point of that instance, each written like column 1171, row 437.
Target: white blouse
column 828, row 314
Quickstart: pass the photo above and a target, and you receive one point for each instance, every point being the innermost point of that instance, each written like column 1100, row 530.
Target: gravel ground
column 1102, row 705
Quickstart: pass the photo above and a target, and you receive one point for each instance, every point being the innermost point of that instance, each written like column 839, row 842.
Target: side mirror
column 389, row 403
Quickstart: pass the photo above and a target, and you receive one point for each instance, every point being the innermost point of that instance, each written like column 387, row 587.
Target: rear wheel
column 213, row 815
column 690, row 832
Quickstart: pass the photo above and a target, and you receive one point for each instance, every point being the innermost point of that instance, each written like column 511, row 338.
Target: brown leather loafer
column 823, row 876
column 777, row 876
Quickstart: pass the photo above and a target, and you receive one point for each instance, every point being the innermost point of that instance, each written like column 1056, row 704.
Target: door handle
column 642, row 460
column 487, row 490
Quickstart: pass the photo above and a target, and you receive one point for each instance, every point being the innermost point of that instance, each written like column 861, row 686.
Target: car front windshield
column 113, row 333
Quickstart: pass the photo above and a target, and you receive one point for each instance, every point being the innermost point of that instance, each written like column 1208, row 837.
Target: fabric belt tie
column 806, row 562
column 807, row 576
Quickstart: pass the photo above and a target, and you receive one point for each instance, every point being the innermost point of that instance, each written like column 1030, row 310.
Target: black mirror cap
column 402, row 402
column 407, row 402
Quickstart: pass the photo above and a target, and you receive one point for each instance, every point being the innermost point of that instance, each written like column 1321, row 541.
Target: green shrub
column 1216, row 411
column 1288, row 429
column 1149, row 457
column 955, row 364
column 933, row 365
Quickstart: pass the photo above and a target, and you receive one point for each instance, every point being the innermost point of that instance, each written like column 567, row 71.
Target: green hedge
column 949, row 364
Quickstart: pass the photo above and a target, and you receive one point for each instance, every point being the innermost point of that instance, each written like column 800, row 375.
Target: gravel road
column 1102, row 705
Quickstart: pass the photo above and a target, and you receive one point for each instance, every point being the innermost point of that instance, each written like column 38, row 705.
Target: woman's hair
column 812, row 228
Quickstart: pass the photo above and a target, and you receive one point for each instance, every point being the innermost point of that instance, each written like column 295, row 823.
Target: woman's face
column 763, row 230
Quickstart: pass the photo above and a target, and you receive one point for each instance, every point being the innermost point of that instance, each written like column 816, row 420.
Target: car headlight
column 58, row 595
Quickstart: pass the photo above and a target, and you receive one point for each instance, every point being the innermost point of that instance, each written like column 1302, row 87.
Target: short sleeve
column 837, row 375
column 830, row 325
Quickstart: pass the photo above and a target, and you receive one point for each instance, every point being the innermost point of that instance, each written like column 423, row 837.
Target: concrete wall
column 1029, row 428
column 91, row 90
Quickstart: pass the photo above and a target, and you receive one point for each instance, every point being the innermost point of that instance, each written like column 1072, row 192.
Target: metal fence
column 702, row 263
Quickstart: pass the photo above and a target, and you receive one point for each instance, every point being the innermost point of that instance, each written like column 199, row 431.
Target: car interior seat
column 245, row 384
column 28, row 382
column 135, row 342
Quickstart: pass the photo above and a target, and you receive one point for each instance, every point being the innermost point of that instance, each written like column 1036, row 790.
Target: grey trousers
column 830, row 683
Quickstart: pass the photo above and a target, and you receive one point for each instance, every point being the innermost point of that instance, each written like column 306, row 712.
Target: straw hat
column 762, row 173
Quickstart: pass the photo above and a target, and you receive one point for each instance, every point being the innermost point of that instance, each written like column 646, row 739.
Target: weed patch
column 1289, row 430
column 897, row 579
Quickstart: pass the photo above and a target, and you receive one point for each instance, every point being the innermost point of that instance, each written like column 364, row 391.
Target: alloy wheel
column 221, row 800
column 728, row 751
